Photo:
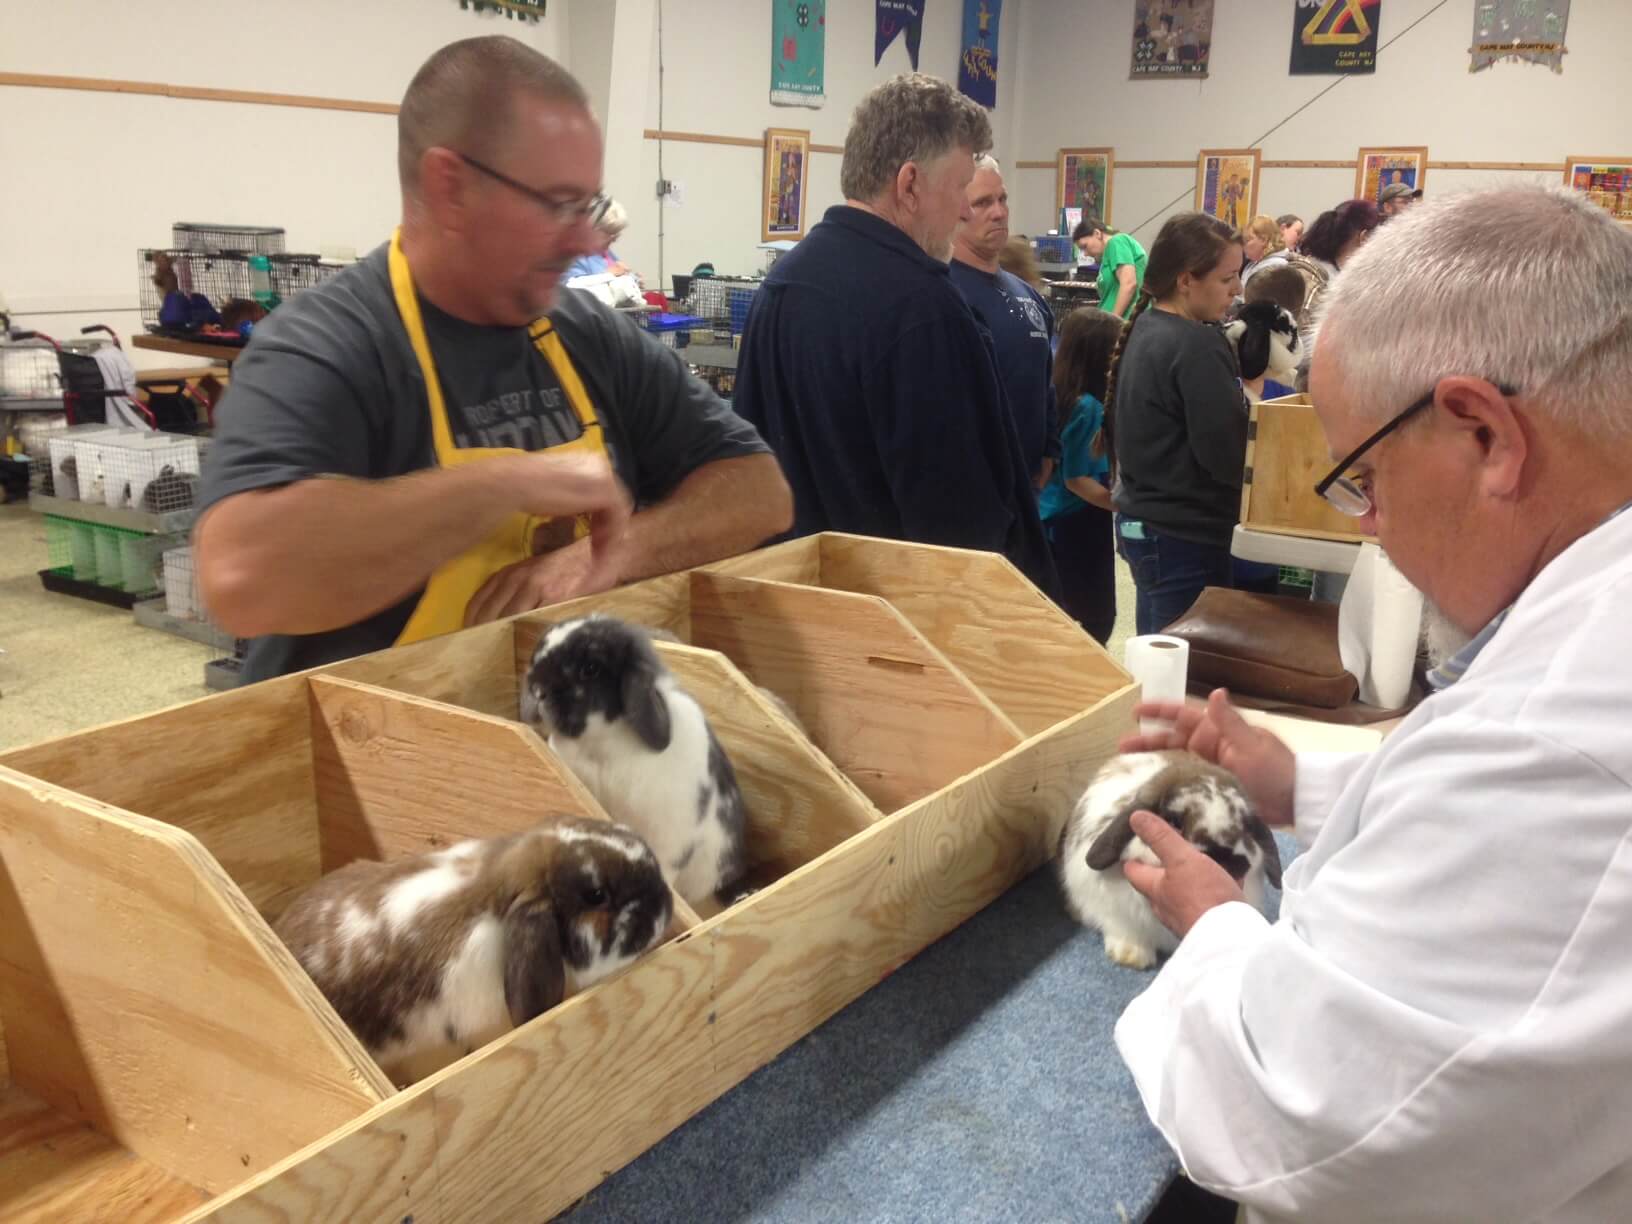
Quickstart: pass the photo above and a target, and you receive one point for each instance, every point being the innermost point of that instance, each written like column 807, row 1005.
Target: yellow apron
column 441, row 608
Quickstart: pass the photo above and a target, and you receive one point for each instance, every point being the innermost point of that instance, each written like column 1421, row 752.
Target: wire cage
column 116, row 558
column 40, row 374
column 181, row 291
column 30, row 377
column 723, row 301
column 245, row 239
column 721, row 381
column 1054, row 249
column 156, row 473
column 292, row 273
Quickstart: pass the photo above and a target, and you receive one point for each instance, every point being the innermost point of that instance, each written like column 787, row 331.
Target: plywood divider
column 797, row 561
column 875, row 901
column 799, row 805
column 235, row 773
column 1287, row 455
column 662, row 604
column 883, row 704
column 143, row 994
column 526, row 1126
column 398, row 775
column 1016, row 645
column 470, row 669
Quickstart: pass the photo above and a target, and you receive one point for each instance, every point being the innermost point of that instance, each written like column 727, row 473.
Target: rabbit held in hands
column 429, row 957
column 1202, row 801
column 620, row 720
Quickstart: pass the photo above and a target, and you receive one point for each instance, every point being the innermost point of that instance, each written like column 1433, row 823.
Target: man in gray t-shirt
column 340, row 516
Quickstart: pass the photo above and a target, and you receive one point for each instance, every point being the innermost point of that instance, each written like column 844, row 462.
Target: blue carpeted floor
column 979, row 1082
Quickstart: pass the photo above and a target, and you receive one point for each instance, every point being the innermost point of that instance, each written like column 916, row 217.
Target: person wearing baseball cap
column 1396, row 198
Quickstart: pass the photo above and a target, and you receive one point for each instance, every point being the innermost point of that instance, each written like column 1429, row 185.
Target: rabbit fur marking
column 1205, row 803
column 429, row 957
column 642, row 745
column 1266, row 342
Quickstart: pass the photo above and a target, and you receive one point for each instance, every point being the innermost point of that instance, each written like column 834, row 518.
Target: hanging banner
column 892, row 17
column 1334, row 37
column 1530, row 30
column 1171, row 38
column 977, row 62
column 798, row 53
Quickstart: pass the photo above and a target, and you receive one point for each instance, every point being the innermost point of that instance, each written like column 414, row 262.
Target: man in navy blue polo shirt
column 1020, row 323
column 865, row 369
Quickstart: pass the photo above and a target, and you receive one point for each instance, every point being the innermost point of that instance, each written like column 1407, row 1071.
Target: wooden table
column 225, row 353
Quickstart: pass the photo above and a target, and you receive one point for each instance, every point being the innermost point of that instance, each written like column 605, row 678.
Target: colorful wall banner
column 1335, row 37
column 1171, row 38
column 1530, row 30
column 892, row 17
column 977, row 61
column 799, row 53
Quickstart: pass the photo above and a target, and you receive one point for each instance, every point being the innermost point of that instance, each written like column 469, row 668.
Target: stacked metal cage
column 221, row 277
column 240, row 239
column 723, row 301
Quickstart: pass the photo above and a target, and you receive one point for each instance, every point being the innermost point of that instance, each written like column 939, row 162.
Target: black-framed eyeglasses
column 1348, row 495
column 562, row 212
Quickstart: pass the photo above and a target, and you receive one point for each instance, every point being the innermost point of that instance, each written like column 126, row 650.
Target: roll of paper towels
column 1160, row 664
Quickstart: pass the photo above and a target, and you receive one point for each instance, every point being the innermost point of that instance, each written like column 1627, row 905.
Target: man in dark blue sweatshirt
column 862, row 365
column 1020, row 323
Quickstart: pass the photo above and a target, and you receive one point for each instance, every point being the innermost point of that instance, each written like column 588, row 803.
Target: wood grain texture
column 657, row 603
column 473, row 669
column 1014, row 643
column 799, row 805
column 233, row 770
column 874, row 902
column 1286, row 456
column 524, row 1127
column 382, row 1167
column 53, row 1169
column 193, row 92
column 882, row 703
column 798, row 561
column 142, row 994
column 398, row 775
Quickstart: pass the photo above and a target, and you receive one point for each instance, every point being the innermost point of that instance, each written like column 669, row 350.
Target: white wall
column 1074, row 90
column 717, row 80
column 88, row 178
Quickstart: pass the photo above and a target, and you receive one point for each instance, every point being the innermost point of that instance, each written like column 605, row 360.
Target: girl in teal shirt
column 1075, row 504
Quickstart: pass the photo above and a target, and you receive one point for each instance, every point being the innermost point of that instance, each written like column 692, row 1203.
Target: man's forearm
column 721, row 509
column 329, row 552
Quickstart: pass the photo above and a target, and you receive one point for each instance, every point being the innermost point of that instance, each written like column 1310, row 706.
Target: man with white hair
column 1013, row 313
column 1439, row 1027
column 862, row 364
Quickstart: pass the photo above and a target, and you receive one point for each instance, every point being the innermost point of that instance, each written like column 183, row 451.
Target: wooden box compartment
column 1286, row 457
column 170, row 1060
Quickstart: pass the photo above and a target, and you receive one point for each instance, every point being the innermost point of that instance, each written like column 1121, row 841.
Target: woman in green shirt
column 1121, row 264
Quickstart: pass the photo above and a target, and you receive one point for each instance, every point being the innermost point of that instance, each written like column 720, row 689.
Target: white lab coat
column 1439, row 1027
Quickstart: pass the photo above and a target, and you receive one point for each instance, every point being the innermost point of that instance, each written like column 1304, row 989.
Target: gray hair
column 463, row 98
column 987, row 162
column 614, row 220
column 909, row 118
column 1524, row 284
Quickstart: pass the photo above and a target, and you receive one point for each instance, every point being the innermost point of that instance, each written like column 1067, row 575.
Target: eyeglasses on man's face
column 1352, row 495
column 562, row 212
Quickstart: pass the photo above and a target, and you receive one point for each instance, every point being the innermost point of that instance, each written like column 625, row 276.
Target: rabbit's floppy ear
column 1252, row 349
column 1260, row 833
column 535, row 975
column 1108, row 846
column 645, row 706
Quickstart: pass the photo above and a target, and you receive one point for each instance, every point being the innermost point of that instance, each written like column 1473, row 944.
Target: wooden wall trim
column 1314, row 164
column 746, row 142
column 193, row 93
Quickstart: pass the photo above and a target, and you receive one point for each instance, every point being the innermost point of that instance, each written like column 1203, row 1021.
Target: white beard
column 1440, row 638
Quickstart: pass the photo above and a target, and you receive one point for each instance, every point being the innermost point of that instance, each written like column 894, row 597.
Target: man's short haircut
column 1280, row 284
column 909, row 118
column 463, row 98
